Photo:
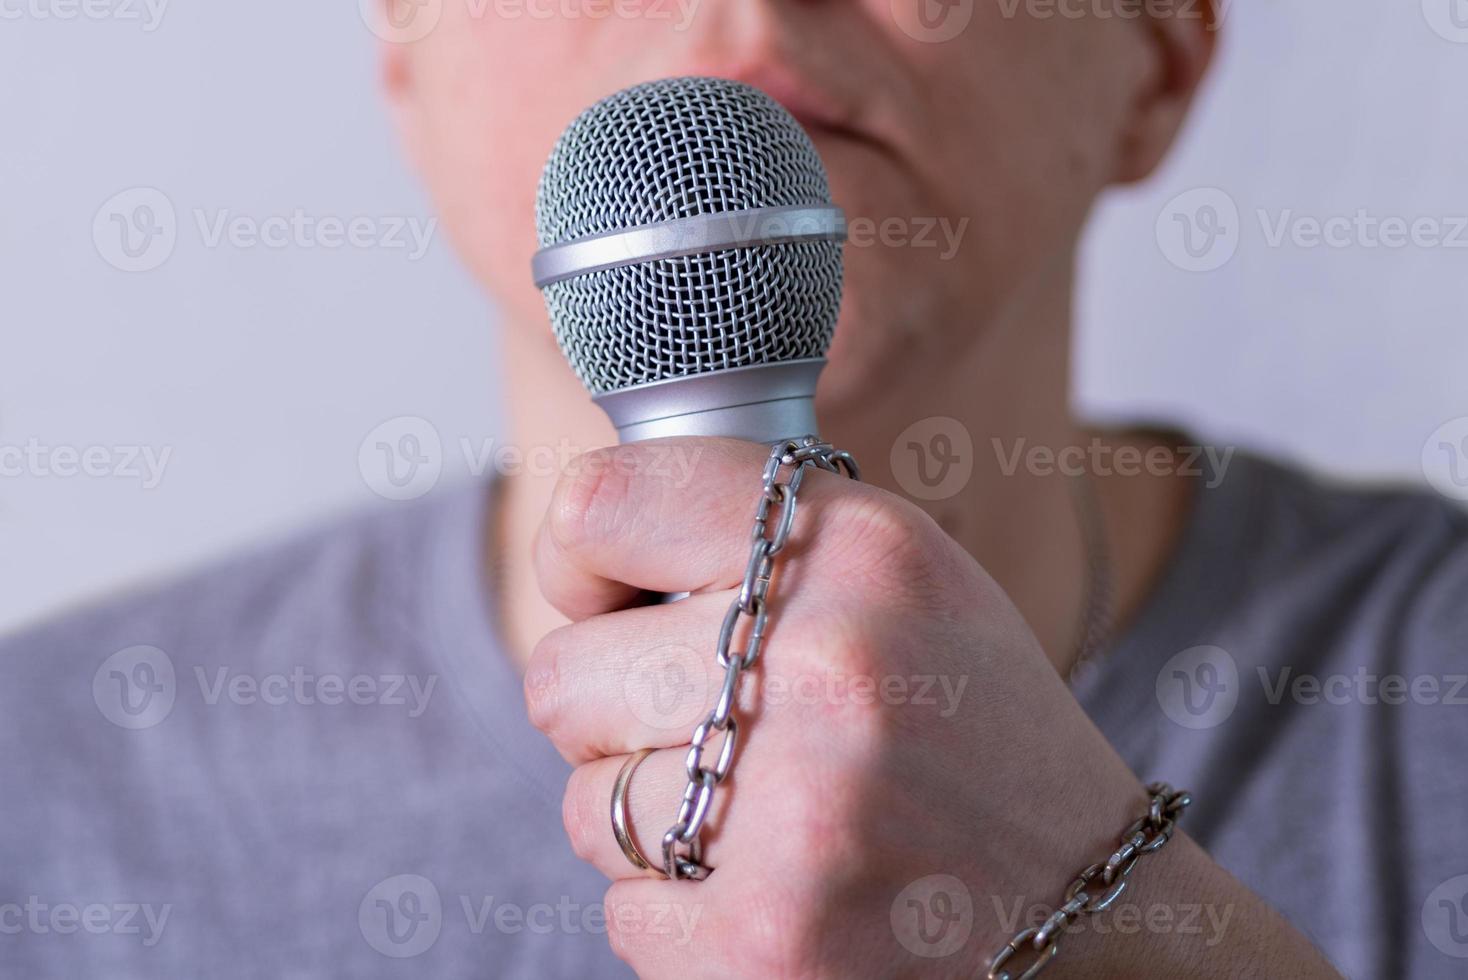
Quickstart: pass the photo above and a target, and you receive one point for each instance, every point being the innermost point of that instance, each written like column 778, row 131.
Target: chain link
column 682, row 846
column 1147, row 835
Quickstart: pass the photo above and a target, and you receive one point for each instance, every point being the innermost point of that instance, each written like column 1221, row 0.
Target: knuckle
column 542, row 683
column 589, row 501
column 579, row 827
column 773, row 938
column 617, row 934
column 828, row 827
column 886, row 537
column 627, row 926
column 850, row 641
column 864, row 722
column 841, row 681
column 893, row 547
column 851, row 647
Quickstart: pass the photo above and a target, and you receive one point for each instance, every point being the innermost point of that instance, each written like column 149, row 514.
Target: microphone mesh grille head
column 679, row 148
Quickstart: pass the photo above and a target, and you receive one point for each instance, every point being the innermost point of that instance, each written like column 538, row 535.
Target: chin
column 865, row 356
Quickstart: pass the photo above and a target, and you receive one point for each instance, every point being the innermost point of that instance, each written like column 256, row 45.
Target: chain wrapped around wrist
column 682, row 849
column 1146, row 835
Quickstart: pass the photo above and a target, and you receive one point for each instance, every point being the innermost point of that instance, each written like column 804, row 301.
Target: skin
column 1017, row 125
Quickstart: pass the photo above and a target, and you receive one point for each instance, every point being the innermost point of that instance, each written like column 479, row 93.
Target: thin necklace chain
column 1093, row 625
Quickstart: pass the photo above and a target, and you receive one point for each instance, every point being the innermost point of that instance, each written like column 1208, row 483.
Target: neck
column 1005, row 389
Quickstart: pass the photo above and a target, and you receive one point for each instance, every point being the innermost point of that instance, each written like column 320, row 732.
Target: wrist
column 1079, row 885
column 1182, row 914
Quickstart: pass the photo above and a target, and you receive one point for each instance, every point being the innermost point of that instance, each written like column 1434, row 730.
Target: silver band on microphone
column 737, row 403
column 689, row 236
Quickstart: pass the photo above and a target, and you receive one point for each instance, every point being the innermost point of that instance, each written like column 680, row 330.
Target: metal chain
column 1147, row 835
column 794, row 457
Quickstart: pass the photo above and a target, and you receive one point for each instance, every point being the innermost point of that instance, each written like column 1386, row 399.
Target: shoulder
column 182, row 695
column 1327, row 506
column 1299, row 606
column 1386, row 559
column 353, row 575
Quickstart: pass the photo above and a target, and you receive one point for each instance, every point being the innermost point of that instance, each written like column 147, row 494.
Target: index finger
column 667, row 515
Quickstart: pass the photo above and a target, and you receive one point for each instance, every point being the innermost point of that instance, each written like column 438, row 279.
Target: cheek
column 495, row 93
column 493, row 99
column 483, row 144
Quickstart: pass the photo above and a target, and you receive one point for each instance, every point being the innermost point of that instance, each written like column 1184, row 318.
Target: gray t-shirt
column 314, row 761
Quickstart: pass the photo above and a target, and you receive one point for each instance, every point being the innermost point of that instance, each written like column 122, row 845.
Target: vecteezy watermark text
column 137, row 230
column 148, row 14
column 137, row 688
column 1202, row 686
column 1213, row 12
column 403, row 916
column 38, row 460
column 661, row 691
column 409, row 21
column 1363, row 686
column 404, row 458
column 1126, row 919
column 1201, row 230
column 299, row 229
column 39, row 917
column 943, row 234
column 304, row 687
column 1099, row 458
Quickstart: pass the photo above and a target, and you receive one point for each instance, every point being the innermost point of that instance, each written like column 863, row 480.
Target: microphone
column 690, row 260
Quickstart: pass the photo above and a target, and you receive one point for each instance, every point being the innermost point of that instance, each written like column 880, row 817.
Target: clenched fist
column 908, row 764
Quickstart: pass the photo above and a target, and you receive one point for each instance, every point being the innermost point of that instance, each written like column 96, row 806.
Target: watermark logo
column 1199, row 230
column 933, row 459
column 402, row 458
column 1448, row 19
column 401, row 916
column 933, row 21
column 1445, row 459
column 401, row 21
column 136, row 230
column 933, row 916
column 1445, row 917
column 405, row 457
column 139, row 687
column 135, row 688
column 1199, row 687
column 662, row 691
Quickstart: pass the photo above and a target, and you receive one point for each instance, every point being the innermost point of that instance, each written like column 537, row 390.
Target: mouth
column 819, row 109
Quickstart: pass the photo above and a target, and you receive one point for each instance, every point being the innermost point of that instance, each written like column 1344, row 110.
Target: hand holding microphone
column 901, row 729
column 903, row 744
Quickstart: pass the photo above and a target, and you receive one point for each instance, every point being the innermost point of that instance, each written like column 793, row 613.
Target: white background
column 262, row 370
